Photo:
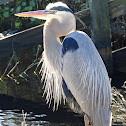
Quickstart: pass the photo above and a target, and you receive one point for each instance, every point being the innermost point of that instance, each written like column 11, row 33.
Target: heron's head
column 58, row 16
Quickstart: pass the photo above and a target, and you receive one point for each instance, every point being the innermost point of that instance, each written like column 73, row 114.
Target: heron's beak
column 40, row 14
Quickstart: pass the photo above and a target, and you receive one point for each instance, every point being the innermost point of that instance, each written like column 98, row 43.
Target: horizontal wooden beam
column 25, row 90
column 21, row 40
column 116, row 9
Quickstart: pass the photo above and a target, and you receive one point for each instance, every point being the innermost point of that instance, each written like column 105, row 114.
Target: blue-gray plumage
column 66, row 90
column 73, row 71
column 61, row 8
column 71, row 99
column 69, row 44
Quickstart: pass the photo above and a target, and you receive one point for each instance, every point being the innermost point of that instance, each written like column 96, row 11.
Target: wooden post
column 100, row 30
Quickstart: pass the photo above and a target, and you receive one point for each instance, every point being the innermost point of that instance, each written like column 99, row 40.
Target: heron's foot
column 86, row 120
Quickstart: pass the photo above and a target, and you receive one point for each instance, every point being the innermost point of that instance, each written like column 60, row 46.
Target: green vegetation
column 9, row 21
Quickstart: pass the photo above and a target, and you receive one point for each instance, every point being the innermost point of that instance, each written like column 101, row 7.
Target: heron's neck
column 51, row 42
column 52, row 47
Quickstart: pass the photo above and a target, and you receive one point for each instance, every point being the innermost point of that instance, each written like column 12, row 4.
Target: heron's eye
column 54, row 11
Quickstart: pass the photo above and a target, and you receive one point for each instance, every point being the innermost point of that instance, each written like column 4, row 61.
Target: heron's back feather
column 71, row 100
column 86, row 77
column 69, row 44
column 84, row 73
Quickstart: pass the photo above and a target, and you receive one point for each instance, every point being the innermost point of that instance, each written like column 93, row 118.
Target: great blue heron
column 73, row 69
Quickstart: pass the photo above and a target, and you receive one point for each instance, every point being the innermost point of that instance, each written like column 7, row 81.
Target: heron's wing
column 84, row 72
column 71, row 100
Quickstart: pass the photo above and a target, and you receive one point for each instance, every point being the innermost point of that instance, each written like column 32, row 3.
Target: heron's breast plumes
column 52, row 82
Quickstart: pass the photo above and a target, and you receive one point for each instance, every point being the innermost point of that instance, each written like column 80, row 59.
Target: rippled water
column 37, row 115
column 15, row 118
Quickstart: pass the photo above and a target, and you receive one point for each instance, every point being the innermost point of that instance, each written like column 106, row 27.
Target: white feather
column 83, row 70
column 53, row 82
column 86, row 77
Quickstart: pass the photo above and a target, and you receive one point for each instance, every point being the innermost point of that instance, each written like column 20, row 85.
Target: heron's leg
column 86, row 120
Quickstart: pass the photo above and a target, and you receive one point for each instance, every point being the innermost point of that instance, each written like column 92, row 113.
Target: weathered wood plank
column 28, row 91
column 24, row 39
column 20, row 83
column 117, row 8
column 100, row 30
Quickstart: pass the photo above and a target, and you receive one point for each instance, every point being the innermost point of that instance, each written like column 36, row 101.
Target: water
column 37, row 115
column 15, row 118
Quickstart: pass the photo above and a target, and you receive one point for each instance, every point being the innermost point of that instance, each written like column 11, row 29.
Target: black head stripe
column 61, row 8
